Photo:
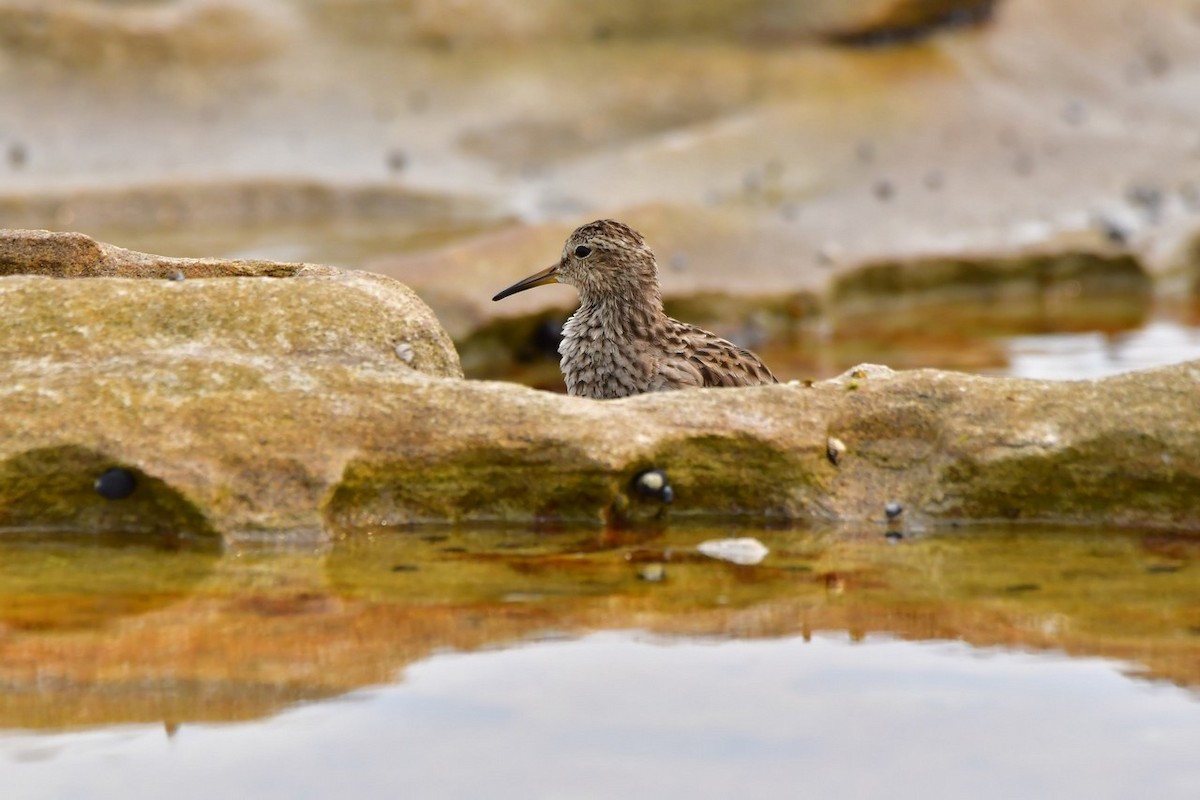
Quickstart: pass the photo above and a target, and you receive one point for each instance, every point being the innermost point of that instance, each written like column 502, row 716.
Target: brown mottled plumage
column 620, row 342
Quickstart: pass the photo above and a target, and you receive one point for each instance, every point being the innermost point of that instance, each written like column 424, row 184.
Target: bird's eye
column 583, row 251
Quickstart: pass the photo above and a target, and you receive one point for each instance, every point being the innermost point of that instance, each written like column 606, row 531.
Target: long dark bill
column 548, row 275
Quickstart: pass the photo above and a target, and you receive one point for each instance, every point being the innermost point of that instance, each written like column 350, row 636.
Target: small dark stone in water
column 1157, row 62
column 1148, row 199
column 884, row 190
column 396, row 161
column 1023, row 164
column 18, row 154
column 115, row 484
column 893, row 509
column 829, row 254
column 893, row 536
column 1113, row 231
column 1158, row 569
column 454, row 549
column 434, row 538
column 1022, row 587
column 405, row 568
column 1074, row 113
column 1189, row 193
column 653, row 483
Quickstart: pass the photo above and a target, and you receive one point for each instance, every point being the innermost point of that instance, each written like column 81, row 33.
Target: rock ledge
column 329, row 399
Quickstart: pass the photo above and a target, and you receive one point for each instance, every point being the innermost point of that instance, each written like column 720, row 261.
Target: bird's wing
column 701, row 358
column 723, row 363
column 676, row 373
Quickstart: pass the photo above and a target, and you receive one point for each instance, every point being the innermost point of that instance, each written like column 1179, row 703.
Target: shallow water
column 617, row 715
column 992, row 661
column 1098, row 355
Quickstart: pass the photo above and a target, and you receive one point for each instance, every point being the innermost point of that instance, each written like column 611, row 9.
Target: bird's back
column 692, row 357
column 605, row 360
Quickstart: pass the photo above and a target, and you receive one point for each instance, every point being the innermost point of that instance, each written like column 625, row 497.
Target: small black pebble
column 653, row 483
column 1114, row 232
column 405, row 568
column 115, row 484
column 454, row 549
column 1022, row 587
column 893, row 509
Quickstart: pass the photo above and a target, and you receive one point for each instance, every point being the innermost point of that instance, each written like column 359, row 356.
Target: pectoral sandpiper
column 620, row 341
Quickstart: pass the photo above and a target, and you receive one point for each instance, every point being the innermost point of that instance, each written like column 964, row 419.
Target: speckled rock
column 93, row 35
column 66, row 254
column 205, row 389
column 293, row 406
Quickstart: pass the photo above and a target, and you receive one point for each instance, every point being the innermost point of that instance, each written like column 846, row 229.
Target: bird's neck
column 631, row 314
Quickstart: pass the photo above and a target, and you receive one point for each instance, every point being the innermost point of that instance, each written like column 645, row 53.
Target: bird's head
column 602, row 259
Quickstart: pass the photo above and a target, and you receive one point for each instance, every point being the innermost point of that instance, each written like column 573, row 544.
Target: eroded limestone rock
column 331, row 399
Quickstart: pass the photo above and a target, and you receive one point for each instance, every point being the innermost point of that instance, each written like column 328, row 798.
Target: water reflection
column 115, row 635
column 1096, row 355
column 633, row 715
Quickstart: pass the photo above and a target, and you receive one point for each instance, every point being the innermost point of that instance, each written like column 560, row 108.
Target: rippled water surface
column 982, row 662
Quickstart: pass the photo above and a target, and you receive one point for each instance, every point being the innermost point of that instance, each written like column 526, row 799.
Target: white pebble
column 745, row 550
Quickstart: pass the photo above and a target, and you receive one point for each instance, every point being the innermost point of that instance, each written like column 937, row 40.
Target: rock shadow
column 76, row 489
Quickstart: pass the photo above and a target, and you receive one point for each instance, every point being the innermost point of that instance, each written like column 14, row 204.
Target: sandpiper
column 620, row 341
